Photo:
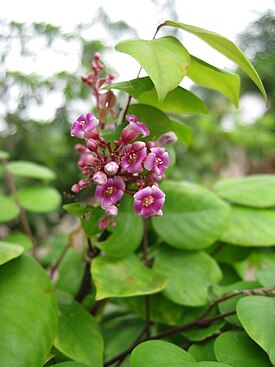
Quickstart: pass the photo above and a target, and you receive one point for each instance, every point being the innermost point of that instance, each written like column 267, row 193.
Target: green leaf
column 78, row 335
column 183, row 132
column 119, row 330
column 266, row 277
column 9, row 251
column 8, row 209
column 224, row 46
column 39, row 199
column 162, row 310
column 78, row 209
column 250, row 227
column 178, row 101
column 31, row 170
column 21, row 239
column 230, row 304
column 124, row 277
column 259, row 258
column 238, row 350
column 70, row 364
column 127, row 234
column 165, row 60
column 194, row 218
column 256, row 314
column 203, row 351
column 211, row 77
column 134, row 87
column 256, row 190
column 28, row 313
column 156, row 353
column 70, row 272
column 190, row 275
column 205, row 332
column 157, row 121
column 4, row 155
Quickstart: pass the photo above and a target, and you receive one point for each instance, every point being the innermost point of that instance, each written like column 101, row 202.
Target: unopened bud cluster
column 127, row 166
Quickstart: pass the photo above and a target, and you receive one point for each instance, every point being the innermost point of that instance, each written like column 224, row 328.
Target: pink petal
column 143, row 193
column 118, row 183
column 147, row 212
column 116, row 197
column 106, row 202
column 149, row 161
column 157, row 193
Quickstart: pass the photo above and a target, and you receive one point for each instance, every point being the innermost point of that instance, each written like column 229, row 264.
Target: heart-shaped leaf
column 165, row 60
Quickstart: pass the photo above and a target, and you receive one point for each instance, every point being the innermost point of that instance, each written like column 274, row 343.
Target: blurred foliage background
column 37, row 109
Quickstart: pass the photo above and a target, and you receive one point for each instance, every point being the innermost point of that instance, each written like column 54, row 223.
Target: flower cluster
column 127, row 166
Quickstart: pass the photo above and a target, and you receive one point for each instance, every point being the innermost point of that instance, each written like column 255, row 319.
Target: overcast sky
column 228, row 18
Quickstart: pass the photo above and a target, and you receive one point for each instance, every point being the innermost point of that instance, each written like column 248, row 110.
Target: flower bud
column 94, row 134
column 99, row 178
column 111, row 211
column 137, row 145
column 168, row 138
column 79, row 148
column 75, row 188
column 82, row 183
column 92, row 145
column 111, row 168
column 103, row 223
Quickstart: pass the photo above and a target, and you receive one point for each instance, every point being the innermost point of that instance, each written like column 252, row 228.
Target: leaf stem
column 147, row 297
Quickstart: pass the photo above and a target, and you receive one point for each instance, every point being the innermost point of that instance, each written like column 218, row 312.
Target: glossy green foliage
column 28, row 313
column 165, row 60
column 250, row 227
column 39, row 199
column 238, row 350
column 124, row 277
column 159, row 353
column 78, row 334
column 9, row 251
column 256, row 314
column 179, row 100
column 9, row 209
column 190, row 275
column 31, row 170
column 256, row 190
column 211, row 77
column 194, row 217
column 127, row 235
column 224, row 46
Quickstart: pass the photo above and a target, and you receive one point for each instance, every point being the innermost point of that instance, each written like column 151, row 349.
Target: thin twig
column 145, row 259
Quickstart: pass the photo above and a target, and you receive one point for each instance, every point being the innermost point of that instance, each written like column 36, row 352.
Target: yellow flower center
column 147, row 201
column 110, row 191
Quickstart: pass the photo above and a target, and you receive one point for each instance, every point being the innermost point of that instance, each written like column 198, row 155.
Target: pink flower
column 157, row 160
column 111, row 211
column 111, row 192
column 99, row 178
column 168, row 138
column 134, row 129
column 149, row 201
column 84, row 124
column 111, row 168
column 132, row 162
